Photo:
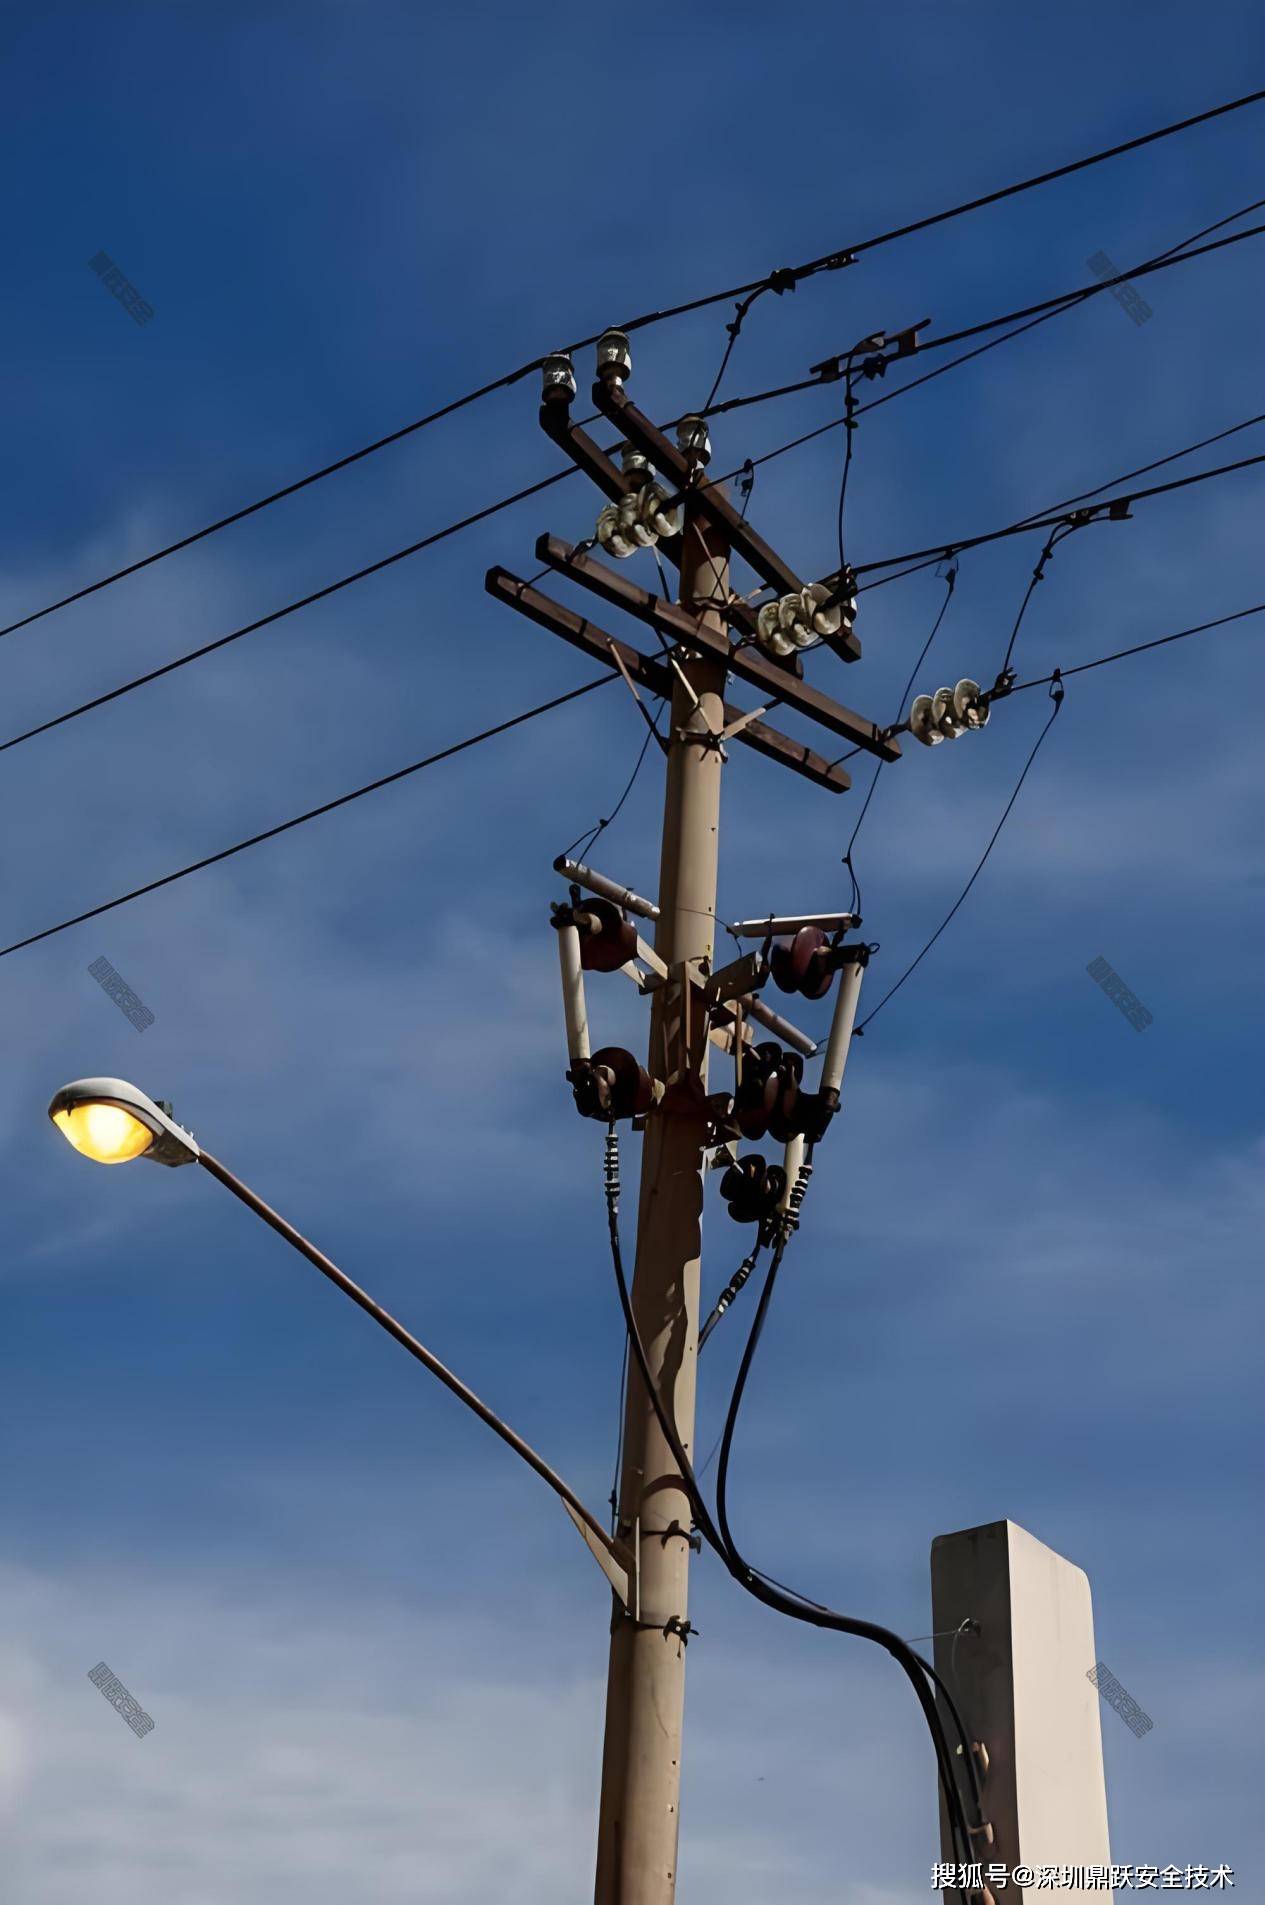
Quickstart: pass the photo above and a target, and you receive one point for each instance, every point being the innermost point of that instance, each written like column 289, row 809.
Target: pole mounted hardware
column 876, row 352
column 596, row 882
column 657, row 497
column 677, row 625
column 778, row 923
column 612, row 1085
column 753, row 1189
column 680, row 470
column 948, row 713
column 652, row 673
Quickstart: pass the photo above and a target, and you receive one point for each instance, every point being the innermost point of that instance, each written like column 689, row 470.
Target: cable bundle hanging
column 751, row 1579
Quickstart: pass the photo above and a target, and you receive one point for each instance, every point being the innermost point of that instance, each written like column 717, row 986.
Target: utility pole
column 645, row 1698
column 704, row 637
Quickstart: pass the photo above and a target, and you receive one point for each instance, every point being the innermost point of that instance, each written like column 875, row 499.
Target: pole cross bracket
column 693, row 1541
column 673, row 1625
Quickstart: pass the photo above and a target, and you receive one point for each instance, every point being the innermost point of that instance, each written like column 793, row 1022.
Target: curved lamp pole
column 112, row 1122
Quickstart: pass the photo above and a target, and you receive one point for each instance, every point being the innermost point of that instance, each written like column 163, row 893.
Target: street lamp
column 112, row 1121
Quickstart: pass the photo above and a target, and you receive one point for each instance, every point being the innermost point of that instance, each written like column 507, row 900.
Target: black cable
column 1068, row 300
column 863, row 409
column 950, row 581
column 264, row 502
column 1042, row 178
column 942, row 554
column 652, row 733
column 1056, row 695
column 942, row 550
column 722, row 1514
column 1139, row 648
column 780, row 280
column 722, row 1477
column 1126, row 476
column 746, row 484
column 733, row 328
column 1034, row 314
column 532, row 489
column 619, row 1437
column 327, row 807
column 732, row 1289
column 305, row 601
column 747, row 1577
column 849, row 425
column 1158, row 463
column 1043, row 317
column 1052, row 541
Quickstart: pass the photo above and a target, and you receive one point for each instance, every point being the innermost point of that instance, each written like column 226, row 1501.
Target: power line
column 264, row 502
column 1178, row 254
column 313, row 813
column 836, row 423
column 950, row 583
column 1126, row 476
column 759, row 1586
column 958, row 544
column 1144, row 469
column 1139, row 648
column 1046, row 178
column 1052, row 541
column 1054, row 681
column 929, row 557
column 305, row 601
column 780, row 280
column 586, row 841
column 1066, row 300
column 1056, row 695
column 1044, row 317
column 830, row 1619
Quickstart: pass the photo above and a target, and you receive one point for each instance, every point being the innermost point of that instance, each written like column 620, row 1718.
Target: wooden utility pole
column 641, row 1764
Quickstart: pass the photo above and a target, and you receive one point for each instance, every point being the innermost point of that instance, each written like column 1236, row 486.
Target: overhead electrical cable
column 313, row 813
column 1180, row 253
column 1056, row 695
column 722, row 1514
column 1138, row 648
column 1081, row 668
column 1048, row 521
column 1081, row 496
column 950, row 582
column 782, row 279
column 289, row 608
column 797, row 1607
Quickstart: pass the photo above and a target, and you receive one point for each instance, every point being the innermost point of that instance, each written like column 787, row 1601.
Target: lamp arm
column 592, row 1529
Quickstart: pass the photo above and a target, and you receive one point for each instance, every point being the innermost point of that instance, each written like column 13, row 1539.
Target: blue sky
column 1027, row 1284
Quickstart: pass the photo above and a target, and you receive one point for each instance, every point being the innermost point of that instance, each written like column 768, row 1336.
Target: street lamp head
column 111, row 1121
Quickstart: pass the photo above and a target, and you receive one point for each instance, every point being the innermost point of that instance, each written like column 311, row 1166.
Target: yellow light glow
column 106, row 1133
